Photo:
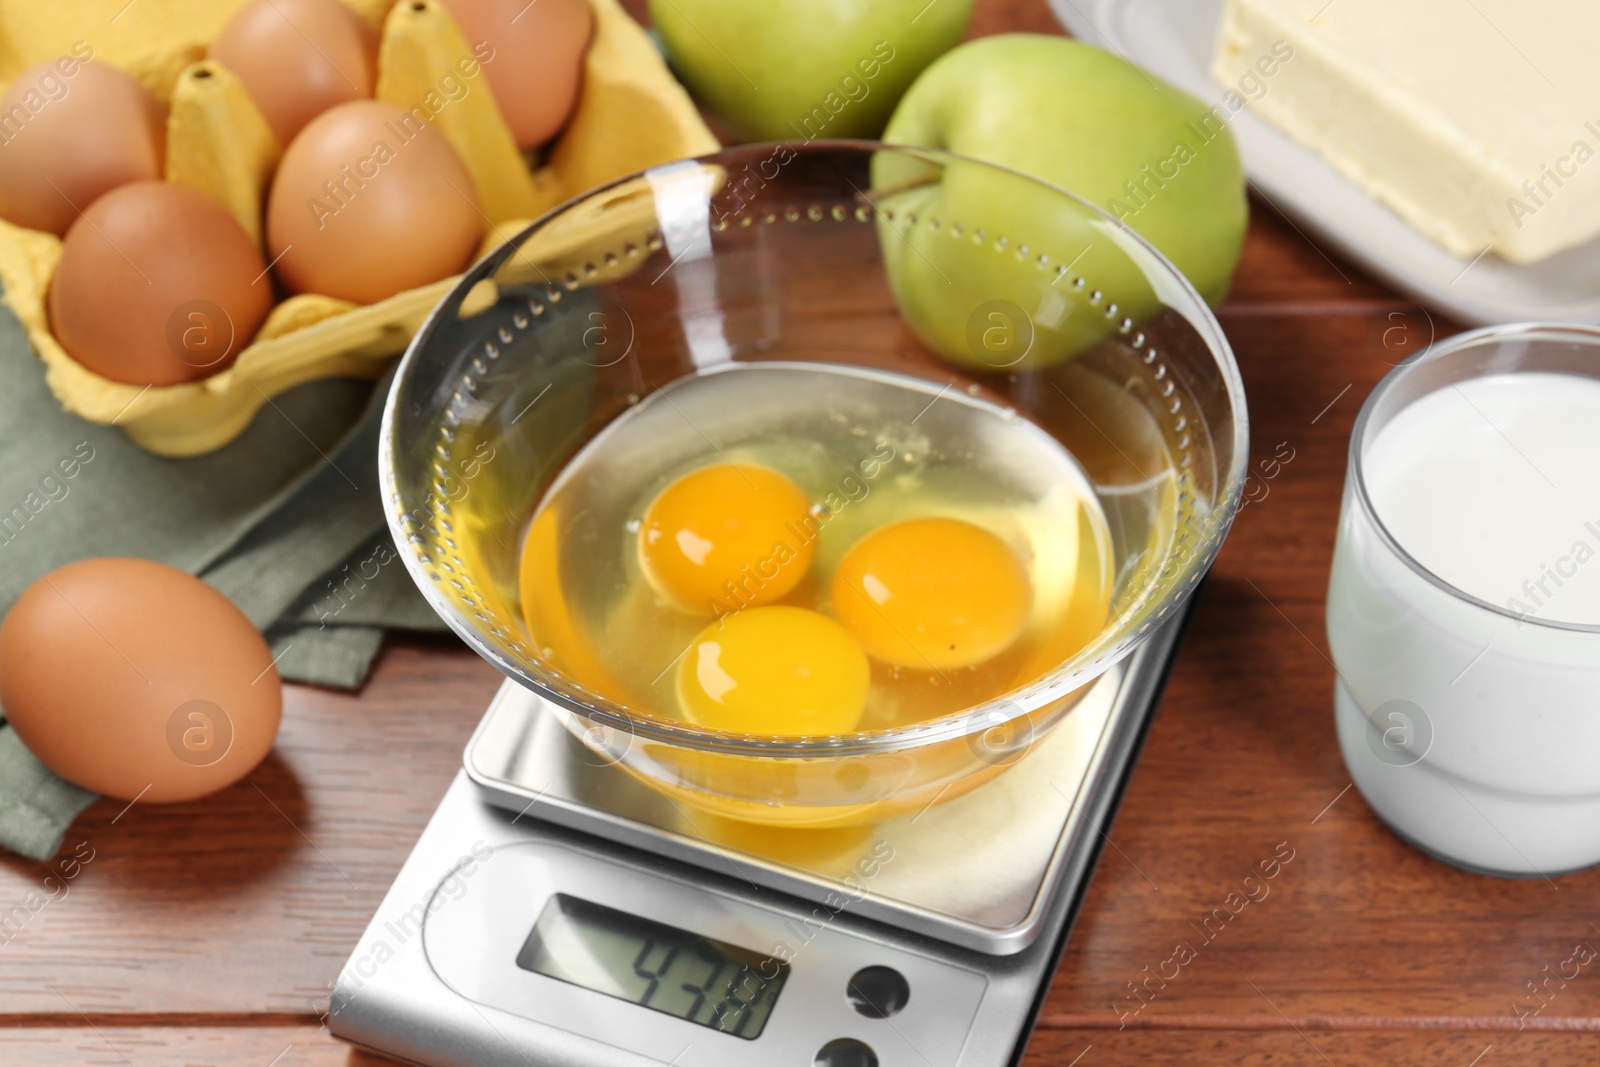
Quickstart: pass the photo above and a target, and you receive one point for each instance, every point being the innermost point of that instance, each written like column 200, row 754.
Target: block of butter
column 1478, row 121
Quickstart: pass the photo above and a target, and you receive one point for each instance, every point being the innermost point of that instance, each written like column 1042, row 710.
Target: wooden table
column 209, row 933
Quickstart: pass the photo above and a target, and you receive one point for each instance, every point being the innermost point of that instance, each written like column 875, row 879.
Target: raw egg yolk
column 932, row 593
column 728, row 536
column 774, row 670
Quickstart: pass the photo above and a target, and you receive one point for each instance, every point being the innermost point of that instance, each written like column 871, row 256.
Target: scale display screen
column 712, row 983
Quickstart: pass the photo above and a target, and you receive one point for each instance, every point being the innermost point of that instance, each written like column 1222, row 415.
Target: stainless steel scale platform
column 558, row 913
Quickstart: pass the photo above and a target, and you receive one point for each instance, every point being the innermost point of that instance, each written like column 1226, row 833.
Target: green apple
column 799, row 70
column 1153, row 158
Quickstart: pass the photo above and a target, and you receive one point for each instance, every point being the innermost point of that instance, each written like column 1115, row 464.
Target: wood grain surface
column 288, row 1046
column 208, row 933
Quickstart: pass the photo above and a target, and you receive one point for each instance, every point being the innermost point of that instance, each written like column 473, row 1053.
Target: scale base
column 433, row 979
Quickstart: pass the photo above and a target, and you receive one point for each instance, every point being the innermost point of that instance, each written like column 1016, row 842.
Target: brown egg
column 370, row 201
column 134, row 679
column 157, row 285
column 70, row 130
column 535, row 63
column 298, row 58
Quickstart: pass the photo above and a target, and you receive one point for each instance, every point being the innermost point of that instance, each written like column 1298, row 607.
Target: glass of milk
column 1464, row 606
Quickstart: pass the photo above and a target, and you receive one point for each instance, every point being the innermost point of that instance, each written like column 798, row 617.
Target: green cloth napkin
column 287, row 521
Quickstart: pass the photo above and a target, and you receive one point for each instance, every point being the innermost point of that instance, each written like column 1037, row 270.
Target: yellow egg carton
column 631, row 115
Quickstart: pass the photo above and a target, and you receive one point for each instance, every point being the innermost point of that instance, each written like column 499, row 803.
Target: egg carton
column 631, row 115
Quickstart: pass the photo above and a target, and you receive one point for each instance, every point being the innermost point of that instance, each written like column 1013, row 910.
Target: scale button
column 878, row 992
column 845, row 1052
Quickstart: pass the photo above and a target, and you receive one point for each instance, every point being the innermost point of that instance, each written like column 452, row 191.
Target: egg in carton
column 631, row 114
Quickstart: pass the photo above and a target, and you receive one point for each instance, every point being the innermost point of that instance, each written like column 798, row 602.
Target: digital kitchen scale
column 557, row 912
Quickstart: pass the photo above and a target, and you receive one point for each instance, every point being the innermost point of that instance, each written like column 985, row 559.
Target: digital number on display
column 698, row 979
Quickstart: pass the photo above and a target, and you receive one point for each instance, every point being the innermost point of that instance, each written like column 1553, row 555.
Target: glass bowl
column 971, row 278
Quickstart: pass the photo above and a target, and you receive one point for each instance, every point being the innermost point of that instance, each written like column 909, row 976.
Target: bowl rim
column 1043, row 693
